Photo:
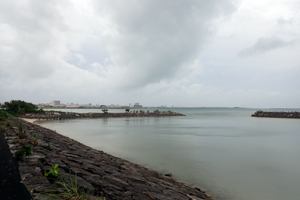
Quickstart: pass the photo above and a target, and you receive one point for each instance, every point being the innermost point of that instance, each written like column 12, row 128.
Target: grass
column 70, row 190
column 22, row 132
column 35, row 140
column 9, row 123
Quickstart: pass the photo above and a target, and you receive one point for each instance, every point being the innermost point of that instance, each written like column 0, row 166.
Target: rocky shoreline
column 69, row 115
column 101, row 174
column 294, row 115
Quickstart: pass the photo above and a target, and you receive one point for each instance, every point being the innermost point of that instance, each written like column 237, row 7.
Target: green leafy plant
column 28, row 151
column 20, row 153
column 25, row 151
column 105, row 111
column 127, row 110
column 52, row 172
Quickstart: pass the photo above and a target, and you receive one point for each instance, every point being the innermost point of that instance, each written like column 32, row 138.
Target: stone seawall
column 295, row 114
column 67, row 115
column 97, row 172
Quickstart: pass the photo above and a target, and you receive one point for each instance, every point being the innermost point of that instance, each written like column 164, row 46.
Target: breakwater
column 69, row 115
column 281, row 114
column 97, row 172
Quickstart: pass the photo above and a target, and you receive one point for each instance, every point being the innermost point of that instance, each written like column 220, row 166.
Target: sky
column 223, row 53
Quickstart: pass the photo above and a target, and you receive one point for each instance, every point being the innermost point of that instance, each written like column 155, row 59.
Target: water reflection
column 224, row 151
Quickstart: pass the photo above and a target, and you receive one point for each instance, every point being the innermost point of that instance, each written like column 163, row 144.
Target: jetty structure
column 56, row 115
column 278, row 114
column 98, row 175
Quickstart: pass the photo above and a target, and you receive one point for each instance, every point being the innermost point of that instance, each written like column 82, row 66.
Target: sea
column 223, row 151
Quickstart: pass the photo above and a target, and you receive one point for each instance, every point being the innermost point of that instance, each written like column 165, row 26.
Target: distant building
column 137, row 105
column 130, row 105
column 55, row 103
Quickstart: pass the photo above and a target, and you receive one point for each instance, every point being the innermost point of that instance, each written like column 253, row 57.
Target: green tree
column 18, row 106
column 105, row 111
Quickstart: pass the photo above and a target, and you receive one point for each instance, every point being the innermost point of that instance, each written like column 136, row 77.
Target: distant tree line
column 20, row 107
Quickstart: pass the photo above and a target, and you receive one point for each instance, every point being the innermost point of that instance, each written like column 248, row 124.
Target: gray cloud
column 264, row 45
column 158, row 40
column 150, row 51
column 281, row 21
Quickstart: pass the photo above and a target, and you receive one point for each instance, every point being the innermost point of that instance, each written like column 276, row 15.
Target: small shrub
column 127, row 110
column 28, row 150
column 20, row 153
column 105, row 111
column 25, row 151
column 4, row 114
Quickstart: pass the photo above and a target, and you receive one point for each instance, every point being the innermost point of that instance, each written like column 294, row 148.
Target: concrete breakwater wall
column 281, row 114
column 66, row 115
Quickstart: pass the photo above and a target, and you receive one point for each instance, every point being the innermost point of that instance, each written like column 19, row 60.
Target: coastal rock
column 295, row 114
column 66, row 115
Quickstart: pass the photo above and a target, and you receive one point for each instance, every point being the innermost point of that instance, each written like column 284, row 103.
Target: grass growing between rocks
column 71, row 191
column 9, row 123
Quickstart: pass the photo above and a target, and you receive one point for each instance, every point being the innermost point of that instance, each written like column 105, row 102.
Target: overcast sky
column 170, row 52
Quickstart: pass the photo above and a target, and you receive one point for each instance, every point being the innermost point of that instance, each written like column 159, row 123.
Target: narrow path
column 11, row 187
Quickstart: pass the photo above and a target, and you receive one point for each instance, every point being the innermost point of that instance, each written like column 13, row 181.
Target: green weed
column 52, row 172
column 25, row 151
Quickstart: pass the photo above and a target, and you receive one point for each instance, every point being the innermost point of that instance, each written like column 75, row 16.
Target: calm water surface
column 224, row 151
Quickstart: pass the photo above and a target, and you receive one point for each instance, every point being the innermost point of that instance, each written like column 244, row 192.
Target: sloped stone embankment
column 103, row 175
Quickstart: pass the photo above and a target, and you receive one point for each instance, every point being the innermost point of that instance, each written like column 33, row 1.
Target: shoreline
column 29, row 120
column 106, row 175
